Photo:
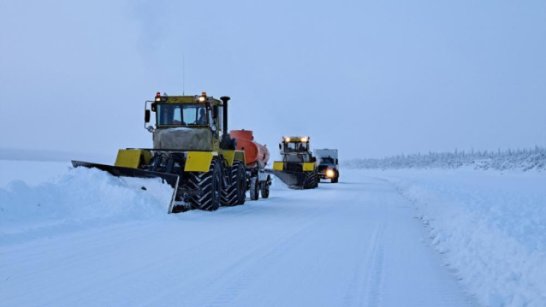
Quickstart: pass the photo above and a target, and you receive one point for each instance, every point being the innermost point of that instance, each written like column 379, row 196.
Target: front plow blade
column 172, row 179
column 128, row 172
column 293, row 180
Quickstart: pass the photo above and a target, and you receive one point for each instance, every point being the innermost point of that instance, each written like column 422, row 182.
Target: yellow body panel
column 132, row 158
column 278, row 166
column 240, row 156
column 229, row 155
column 308, row 166
column 233, row 155
column 198, row 161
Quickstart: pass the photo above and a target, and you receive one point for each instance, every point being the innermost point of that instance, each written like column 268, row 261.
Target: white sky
column 370, row 78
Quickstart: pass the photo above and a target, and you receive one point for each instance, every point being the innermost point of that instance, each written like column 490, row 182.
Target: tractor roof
column 203, row 98
column 295, row 139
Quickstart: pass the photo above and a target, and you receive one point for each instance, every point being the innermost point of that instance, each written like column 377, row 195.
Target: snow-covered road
column 356, row 243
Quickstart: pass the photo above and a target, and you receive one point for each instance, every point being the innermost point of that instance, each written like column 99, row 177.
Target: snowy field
column 378, row 238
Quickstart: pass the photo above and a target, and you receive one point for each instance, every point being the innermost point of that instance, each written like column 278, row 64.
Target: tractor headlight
column 201, row 98
column 330, row 173
column 286, row 139
column 305, row 139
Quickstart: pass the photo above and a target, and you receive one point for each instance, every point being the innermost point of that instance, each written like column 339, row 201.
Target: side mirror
column 280, row 147
column 147, row 116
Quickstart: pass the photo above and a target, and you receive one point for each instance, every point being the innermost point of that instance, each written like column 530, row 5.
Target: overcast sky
column 372, row 78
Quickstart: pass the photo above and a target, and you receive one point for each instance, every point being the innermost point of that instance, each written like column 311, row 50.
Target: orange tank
column 255, row 154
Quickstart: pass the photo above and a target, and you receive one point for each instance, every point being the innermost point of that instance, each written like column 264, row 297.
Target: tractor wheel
column 235, row 192
column 241, row 183
column 254, row 188
column 264, row 190
column 208, row 186
column 317, row 179
column 311, row 180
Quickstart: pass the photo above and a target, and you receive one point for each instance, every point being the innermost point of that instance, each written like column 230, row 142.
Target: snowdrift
column 78, row 196
column 490, row 228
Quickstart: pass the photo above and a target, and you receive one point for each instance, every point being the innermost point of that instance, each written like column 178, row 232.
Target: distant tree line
column 524, row 159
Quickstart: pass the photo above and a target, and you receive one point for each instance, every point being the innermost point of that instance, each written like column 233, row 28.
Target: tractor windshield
column 296, row 147
column 181, row 115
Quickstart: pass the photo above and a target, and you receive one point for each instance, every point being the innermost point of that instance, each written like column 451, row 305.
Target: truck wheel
column 264, row 188
column 235, row 191
column 254, row 188
column 334, row 180
column 208, row 186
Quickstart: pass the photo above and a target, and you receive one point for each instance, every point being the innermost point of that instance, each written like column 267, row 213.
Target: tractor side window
column 166, row 114
column 211, row 121
column 220, row 117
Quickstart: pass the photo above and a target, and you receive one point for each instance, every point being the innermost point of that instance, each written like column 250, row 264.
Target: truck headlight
column 330, row 173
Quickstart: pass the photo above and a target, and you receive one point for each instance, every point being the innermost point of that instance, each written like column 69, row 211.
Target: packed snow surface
column 381, row 238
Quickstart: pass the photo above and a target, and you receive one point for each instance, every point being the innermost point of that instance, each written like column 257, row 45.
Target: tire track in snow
column 364, row 288
column 375, row 275
column 241, row 277
column 242, row 270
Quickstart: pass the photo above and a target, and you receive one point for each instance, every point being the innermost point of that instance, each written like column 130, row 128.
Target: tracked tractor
column 192, row 151
column 298, row 166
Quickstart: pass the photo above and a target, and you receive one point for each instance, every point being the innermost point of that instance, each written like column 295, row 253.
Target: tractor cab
column 298, row 166
column 188, row 122
column 188, row 115
column 296, row 149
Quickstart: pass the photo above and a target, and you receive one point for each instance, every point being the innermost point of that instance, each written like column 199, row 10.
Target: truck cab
column 328, row 165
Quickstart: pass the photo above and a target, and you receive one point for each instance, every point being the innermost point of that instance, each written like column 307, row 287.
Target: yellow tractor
column 192, row 151
column 298, row 166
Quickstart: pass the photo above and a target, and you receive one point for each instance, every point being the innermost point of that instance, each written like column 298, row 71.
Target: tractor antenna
column 183, row 75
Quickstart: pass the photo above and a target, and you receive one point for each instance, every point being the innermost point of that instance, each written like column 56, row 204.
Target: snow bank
column 79, row 196
column 490, row 227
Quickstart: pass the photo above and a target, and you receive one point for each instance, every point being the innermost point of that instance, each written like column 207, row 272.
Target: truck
column 256, row 156
column 328, row 166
